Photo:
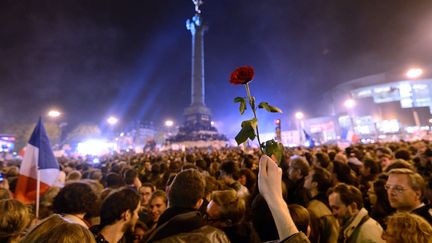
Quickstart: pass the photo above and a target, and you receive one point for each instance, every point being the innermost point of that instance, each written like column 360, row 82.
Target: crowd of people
column 363, row 193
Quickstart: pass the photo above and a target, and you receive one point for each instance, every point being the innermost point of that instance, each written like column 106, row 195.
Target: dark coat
column 185, row 225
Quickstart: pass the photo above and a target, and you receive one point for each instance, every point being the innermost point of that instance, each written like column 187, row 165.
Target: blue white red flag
column 38, row 156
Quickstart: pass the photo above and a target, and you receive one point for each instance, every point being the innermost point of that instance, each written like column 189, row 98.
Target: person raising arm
column 270, row 187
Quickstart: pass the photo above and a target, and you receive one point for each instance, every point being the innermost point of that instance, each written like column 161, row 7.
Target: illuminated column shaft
column 197, row 29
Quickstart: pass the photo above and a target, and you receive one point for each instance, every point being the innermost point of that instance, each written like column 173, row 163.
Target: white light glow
column 112, row 120
column 414, row 72
column 54, row 113
column 169, row 123
column 299, row 115
column 94, row 147
column 349, row 103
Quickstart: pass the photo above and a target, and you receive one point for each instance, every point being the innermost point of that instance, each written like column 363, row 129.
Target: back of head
column 129, row 176
column 300, row 216
column 76, row 197
column 15, row 218
column 408, row 227
column 403, row 153
column 301, row 164
column 114, row 180
column 322, row 159
column 56, row 229
column 232, row 207
column 74, row 176
column 323, row 178
column 116, row 203
column 373, row 166
column 230, row 168
column 186, row 189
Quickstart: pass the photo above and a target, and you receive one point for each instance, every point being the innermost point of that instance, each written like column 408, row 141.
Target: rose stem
column 252, row 104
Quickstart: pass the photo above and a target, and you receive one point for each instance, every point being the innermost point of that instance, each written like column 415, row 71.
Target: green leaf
column 272, row 147
column 242, row 104
column 269, row 108
column 247, row 131
column 252, row 122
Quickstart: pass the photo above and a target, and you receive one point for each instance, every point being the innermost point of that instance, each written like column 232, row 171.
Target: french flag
column 38, row 157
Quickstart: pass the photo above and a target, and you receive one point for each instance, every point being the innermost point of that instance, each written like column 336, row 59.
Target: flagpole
column 37, row 192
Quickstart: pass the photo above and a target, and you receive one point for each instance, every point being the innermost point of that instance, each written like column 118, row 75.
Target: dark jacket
column 424, row 211
column 242, row 233
column 185, row 225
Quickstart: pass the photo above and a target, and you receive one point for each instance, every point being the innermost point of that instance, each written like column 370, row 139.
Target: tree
column 82, row 132
column 23, row 131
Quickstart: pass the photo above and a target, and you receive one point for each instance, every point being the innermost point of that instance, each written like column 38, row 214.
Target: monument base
column 197, row 130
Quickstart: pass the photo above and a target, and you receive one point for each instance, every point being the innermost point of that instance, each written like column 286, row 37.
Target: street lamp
column 414, row 73
column 169, row 123
column 54, row 113
column 349, row 103
column 112, row 120
column 299, row 115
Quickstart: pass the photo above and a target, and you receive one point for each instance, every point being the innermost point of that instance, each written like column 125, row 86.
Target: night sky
column 94, row 58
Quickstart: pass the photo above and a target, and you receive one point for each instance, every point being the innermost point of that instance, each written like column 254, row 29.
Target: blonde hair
column 57, row 229
column 15, row 218
column 408, row 227
column 232, row 207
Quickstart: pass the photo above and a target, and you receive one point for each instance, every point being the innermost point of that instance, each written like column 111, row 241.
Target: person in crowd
column 46, row 202
column 377, row 196
column 181, row 221
column 57, row 229
column 301, row 218
column 343, row 173
column 131, row 179
column 114, row 180
column 146, row 191
column 226, row 211
column 229, row 174
column 369, row 171
column 247, row 178
column 380, row 151
column 15, row 217
column 403, row 153
column 158, row 205
column 318, row 181
column 262, row 219
column 385, row 160
column 405, row 190
column 74, row 201
column 322, row 160
column 270, row 187
column 355, row 224
column 139, row 231
column 202, row 167
column 407, row 227
column 423, row 163
column 118, row 215
column 297, row 171
column 73, row 176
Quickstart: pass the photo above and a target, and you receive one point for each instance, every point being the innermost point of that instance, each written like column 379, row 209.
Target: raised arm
column 270, row 187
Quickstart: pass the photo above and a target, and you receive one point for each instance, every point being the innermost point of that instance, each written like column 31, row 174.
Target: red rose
column 242, row 75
